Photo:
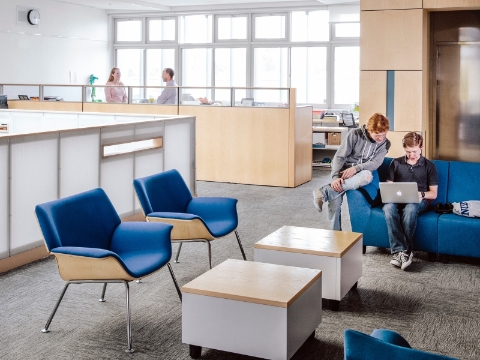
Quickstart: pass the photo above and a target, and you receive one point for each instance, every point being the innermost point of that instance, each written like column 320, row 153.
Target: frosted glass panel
column 180, row 149
column 95, row 120
column 79, row 161
column 53, row 121
column 3, row 198
column 22, row 122
column 34, row 171
column 67, row 93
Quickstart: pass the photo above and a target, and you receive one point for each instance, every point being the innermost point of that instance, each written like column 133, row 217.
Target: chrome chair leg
column 45, row 329
column 129, row 329
column 102, row 299
column 209, row 253
column 139, row 281
column 240, row 244
column 175, row 281
column 178, row 252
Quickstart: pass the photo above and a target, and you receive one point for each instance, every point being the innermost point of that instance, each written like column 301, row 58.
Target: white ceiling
column 183, row 5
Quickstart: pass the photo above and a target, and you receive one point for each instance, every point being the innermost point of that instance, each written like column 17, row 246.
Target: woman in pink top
column 115, row 94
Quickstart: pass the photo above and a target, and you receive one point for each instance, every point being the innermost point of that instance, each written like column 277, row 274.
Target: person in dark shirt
column 402, row 218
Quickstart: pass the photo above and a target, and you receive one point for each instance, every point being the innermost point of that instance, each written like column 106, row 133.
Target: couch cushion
column 462, row 181
column 442, row 170
column 458, row 235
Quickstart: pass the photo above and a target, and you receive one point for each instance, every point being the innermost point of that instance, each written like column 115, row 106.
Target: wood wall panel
column 408, row 100
column 373, row 94
column 391, row 40
column 390, row 4
column 241, row 145
column 451, row 4
column 45, row 105
column 396, row 149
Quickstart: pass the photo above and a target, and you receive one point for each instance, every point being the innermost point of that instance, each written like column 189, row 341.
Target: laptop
column 399, row 192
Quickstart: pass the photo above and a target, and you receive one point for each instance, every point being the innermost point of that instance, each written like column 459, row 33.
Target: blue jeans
column 335, row 199
column 401, row 223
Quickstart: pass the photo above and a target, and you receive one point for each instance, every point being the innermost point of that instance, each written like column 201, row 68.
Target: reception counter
column 46, row 155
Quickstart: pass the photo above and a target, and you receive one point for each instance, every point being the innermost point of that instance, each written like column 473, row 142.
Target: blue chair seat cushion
column 174, row 215
column 140, row 248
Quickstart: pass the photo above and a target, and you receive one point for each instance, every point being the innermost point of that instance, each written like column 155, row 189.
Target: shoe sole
column 315, row 202
column 407, row 264
column 395, row 263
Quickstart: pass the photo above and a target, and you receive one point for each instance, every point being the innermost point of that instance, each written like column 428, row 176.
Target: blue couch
column 382, row 344
column 446, row 234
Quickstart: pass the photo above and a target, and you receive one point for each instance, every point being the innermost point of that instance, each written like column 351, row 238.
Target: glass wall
column 301, row 49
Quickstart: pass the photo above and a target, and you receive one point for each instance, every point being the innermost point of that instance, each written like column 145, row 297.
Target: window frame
column 334, row 36
column 216, row 40
column 254, row 39
column 117, row 20
column 147, row 30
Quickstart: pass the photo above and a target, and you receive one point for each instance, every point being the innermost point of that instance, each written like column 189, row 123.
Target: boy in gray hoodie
column 361, row 152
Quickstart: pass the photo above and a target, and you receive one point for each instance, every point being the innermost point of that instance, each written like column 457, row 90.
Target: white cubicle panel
column 34, row 180
column 4, row 174
column 56, row 162
column 180, row 150
column 79, row 161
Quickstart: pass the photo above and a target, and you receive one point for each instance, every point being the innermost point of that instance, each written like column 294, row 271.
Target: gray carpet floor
column 435, row 306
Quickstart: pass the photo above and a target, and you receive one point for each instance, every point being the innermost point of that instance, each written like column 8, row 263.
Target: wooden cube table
column 252, row 308
column 337, row 253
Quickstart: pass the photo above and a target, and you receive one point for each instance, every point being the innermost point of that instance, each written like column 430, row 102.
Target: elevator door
column 458, row 102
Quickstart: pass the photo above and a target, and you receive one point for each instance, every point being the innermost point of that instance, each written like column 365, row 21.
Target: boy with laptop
column 361, row 152
column 402, row 218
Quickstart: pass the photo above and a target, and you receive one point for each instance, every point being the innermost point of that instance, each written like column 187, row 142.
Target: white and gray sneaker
column 396, row 261
column 406, row 259
column 318, row 199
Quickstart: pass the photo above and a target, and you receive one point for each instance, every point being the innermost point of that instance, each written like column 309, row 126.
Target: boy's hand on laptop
column 337, row 184
column 348, row 173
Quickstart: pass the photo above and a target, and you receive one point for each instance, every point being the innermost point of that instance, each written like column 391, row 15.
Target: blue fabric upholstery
column 165, row 195
column 382, row 344
column 87, row 225
column 163, row 192
column 369, row 219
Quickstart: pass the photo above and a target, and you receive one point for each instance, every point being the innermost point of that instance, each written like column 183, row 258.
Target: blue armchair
column 165, row 197
column 383, row 344
column 92, row 245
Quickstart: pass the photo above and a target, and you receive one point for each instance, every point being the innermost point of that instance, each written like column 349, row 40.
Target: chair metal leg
column 102, row 299
column 45, row 329
column 209, row 254
column 239, row 244
column 175, row 281
column 129, row 329
column 178, row 252
column 139, row 281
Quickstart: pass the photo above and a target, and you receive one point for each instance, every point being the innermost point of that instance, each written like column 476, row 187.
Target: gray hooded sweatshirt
column 359, row 150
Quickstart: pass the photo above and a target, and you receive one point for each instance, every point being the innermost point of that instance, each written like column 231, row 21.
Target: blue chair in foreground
column 92, row 245
column 165, row 197
column 383, row 344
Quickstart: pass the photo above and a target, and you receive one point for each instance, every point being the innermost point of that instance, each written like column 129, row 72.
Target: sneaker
column 406, row 259
column 318, row 199
column 396, row 261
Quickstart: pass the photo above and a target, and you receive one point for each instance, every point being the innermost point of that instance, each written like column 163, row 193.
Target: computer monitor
column 348, row 120
column 3, row 102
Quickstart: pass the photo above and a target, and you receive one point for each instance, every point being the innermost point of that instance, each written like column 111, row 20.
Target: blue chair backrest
column 87, row 219
column 462, row 181
column 163, row 192
column 383, row 169
column 442, row 170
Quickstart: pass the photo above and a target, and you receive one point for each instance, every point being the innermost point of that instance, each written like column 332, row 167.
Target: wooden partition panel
column 391, row 40
column 303, row 145
column 373, row 94
column 45, row 105
column 131, row 108
column 390, row 4
column 451, row 4
column 246, row 145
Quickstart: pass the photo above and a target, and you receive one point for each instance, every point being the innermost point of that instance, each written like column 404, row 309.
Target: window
column 157, row 60
column 162, row 30
column 130, row 63
column 129, row 30
column 347, row 30
column 271, row 70
column 346, row 75
column 309, row 74
column 232, row 27
column 310, row 25
column 269, row 26
column 196, row 29
column 230, row 67
column 197, row 69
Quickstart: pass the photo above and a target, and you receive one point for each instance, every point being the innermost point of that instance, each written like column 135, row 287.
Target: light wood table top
column 310, row 241
column 260, row 283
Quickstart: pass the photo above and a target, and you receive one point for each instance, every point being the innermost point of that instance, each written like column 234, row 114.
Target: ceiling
column 183, row 5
